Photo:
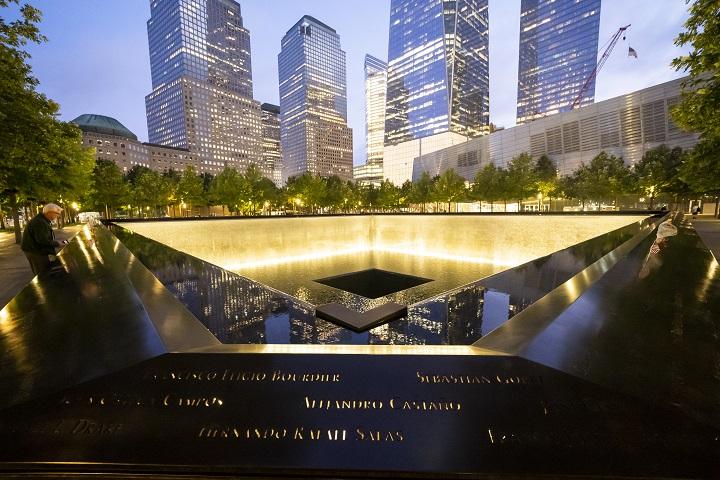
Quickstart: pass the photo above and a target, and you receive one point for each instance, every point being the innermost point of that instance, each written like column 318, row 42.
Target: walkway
column 708, row 228
column 15, row 271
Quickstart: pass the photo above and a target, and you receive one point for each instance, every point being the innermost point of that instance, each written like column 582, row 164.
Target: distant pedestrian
column 695, row 211
column 38, row 241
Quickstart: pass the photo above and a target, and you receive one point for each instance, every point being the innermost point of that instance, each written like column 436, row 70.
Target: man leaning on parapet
column 38, row 241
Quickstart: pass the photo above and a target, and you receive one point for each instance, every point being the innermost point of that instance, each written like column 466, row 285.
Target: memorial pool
column 291, row 254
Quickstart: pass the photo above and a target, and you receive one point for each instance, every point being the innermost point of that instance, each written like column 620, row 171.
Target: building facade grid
column 558, row 53
column 625, row 126
column 313, row 102
column 202, row 84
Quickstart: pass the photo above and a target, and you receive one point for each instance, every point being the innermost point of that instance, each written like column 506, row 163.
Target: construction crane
column 613, row 40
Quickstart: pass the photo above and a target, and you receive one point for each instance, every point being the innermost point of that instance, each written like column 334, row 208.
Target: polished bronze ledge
column 101, row 310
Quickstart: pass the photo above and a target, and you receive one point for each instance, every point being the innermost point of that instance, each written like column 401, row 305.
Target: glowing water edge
column 289, row 254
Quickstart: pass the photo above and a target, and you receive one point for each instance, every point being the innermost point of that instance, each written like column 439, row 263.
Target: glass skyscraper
column 272, row 152
column 438, row 79
column 313, row 102
column 558, row 52
column 375, row 88
column 438, row 69
column 202, row 83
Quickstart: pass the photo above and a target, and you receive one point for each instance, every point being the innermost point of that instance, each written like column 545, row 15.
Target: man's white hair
column 51, row 207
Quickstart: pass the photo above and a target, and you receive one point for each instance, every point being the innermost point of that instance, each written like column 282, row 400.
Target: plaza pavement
column 15, row 270
column 708, row 228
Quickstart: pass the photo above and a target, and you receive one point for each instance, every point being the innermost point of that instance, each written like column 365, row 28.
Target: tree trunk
column 16, row 218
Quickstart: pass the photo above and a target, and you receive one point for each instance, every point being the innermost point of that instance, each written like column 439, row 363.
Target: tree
column 252, row 179
column 450, row 187
column 149, row 191
column 406, row 193
column 335, row 190
column 229, row 189
column 369, row 198
column 71, row 163
column 108, row 188
column 546, row 179
column 190, row 188
column 32, row 142
column 354, row 195
column 270, row 193
column 208, row 197
column 169, row 185
column 489, row 184
column 521, row 177
column 606, row 177
column 388, row 195
column 700, row 101
column 701, row 170
column 134, row 173
column 657, row 170
column 422, row 190
column 306, row 190
column 577, row 185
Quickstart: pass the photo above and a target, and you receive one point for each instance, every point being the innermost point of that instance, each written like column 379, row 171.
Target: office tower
column 375, row 87
column 438, row 79
column 313, row 102
column 272, row 152
column 558, row 52
column 202, row 83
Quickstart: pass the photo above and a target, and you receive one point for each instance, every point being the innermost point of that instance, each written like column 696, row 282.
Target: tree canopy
column 41, row 158
column 698, row 109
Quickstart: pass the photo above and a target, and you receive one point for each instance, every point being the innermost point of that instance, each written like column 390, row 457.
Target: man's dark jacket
column 38, row 237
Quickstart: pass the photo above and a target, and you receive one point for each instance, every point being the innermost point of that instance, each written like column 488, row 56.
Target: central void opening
column 373, row 282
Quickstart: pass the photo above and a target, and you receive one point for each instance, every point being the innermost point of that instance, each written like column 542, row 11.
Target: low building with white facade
column 626, row 126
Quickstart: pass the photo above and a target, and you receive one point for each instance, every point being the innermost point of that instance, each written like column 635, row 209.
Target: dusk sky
column 96, row 59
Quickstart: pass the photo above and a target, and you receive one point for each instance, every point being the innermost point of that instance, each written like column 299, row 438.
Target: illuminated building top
column 438, row 71
column 558, row 52
column 313, row 102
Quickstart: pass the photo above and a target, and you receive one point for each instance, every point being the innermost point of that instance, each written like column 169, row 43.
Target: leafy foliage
column 490, row 184
column 108, row 188
column 698, row 110
column 40, row 157
column 658, row 170
column 521, row 177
